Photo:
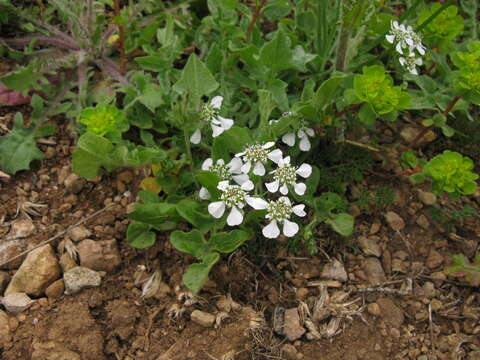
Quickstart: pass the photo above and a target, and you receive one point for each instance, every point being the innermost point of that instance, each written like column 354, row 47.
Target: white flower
column 286, row 174
column 303, row 134
column 258, row 155
column 233, row 197
column 210, row 114
column 280, row 211
column 410, row 63
column 405, row 38
column 230, row 171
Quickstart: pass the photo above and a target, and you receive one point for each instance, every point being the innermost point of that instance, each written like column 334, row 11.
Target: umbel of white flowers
column 405, row 39
column 210, row 115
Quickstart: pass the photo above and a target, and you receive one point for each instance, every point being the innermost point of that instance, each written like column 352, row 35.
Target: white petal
column 273, row 186
column 217, row 102
column 235, row 165
column 401, row 60
column 286, row 200
column 286, row 160
column 300, row 188
column 398, row 47
column 235, row 217
column 256, row 203
column 275, row 155
column 409, row 41
column 390, row 38
column 421, row 49
column 418, row 61
column 222, row 185
column 240, row 154
column 246, row 167
column 299, row 210
column 206, row 164
column 216, row 209
column 247, row 185
column 217, row 130
column 220, row 162
column 259, row 169
column 301, row 133
column 413, row 71
column 271, row 231
column 304, row 171
column 289, row 228
column 310, row 132
column 196, row 137
column 289, row 139
column 284, row 189
column 305, row 144
column 268, row 145
column 226, row 123
column 204, row 194
column 240, row 179
column 395, row 24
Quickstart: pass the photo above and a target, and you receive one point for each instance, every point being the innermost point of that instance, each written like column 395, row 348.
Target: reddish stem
column 255, row 16
column 430, row 68
column 121, row 40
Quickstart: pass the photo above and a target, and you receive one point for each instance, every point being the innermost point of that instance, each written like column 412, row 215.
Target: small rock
column 436, row 304
column 74, row 184
column 16, row 302
column 55, row 290
column 374, row 271
column 290, row 351
column 4, row 278
column 394, row 221
column 399, row 266
column 202, row 318
column 429, row 289
column 80, row 278
column 100, row 255
column 438, row 277
column 292, row 328
column 9, row 250
column 390, row 312
column 409, row 133
column 423, row 222
column 66, row 262
column 21, row 229
column 374, row 309
column 387, row 262
column 53, row 351
column 125, row 177
column 335, row 271
column 79, row 233
column 39, row 269
column 400, row 254
column 434, row 259
column 369, row 246
column 5, row 335
column 427, row 198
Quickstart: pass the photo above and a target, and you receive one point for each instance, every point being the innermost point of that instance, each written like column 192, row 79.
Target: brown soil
column 113, row 322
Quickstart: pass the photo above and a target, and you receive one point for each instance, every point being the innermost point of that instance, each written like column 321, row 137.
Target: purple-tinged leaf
column 10, row 97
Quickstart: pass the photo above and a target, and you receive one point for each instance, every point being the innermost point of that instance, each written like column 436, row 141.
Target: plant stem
column 121, row 40
column 342, row 47
column 255, row 16
column 322, row 28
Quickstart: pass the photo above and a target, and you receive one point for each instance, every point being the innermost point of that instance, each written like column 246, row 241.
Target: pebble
column 374, row 271
column 5, row 335
column 374, row 309
column 369, row 246
column 53, row 351
column 434, row 259
column 427, row 198
column 39, row 269
column 100, row 255
column 80, row 278
column 55, row 290
column 8, row 250
column 423, row 222
column 394, row 221
column 292, row 328
column 74, row 184
column 16, row 302
column 302, row 293
column 66, row 262
column 289, row 351
column 125, row 176
column 20, row 229
column 335, row 271
column 202, row 318
column 390, row 312
column 79, row 233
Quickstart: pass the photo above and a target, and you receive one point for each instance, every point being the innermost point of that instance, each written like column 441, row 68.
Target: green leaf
column 139, row 235
column 210, row 181
column 154, row 214
column 187, row 209
column 151, row 97
column 191, row 242
column 367, row 115
column 22, row 80
column 277, row 53
column 230, row 141
column 18, row 148
column 227, row 242
column 90, row 154
column 279, row 92
column 300, row 58
column 195, row 80
column 342, row 223
column 327, row 91
column 197, row 274
column 157, row 62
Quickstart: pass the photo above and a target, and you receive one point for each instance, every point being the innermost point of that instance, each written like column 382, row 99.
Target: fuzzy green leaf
column 227, row 242
column 197, row 274
column 139, row 235
column 191, row 242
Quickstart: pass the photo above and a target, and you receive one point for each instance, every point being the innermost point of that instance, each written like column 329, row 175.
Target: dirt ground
column 385, row 299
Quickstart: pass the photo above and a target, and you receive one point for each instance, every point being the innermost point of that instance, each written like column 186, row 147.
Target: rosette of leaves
column 451, row 173
column 444, row 28
column 467, row 77
column 374, row 88
column 104, row 120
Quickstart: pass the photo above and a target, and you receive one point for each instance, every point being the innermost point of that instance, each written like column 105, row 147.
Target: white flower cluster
column 406, row 43
column 210, row 115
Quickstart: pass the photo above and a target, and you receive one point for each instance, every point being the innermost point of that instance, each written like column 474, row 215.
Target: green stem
column 322, row 28
column 342, row 47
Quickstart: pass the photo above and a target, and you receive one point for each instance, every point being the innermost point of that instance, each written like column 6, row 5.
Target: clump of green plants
column 463, row 268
